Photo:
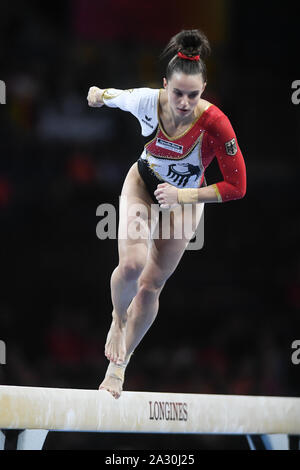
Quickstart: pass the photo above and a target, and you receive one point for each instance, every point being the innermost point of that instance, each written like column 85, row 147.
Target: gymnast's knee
column 130, row 270
column 150, row 287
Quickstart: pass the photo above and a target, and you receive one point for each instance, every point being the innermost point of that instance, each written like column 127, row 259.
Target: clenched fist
column 94, row 97
column 166, row 195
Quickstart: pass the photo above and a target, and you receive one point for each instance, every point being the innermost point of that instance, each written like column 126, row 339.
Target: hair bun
column 192, row 42
column 189, row 42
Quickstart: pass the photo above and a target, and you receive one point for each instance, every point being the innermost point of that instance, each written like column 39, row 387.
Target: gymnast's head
column 186, row 74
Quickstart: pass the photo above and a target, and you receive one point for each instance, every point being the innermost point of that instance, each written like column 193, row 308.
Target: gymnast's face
column 184, row 93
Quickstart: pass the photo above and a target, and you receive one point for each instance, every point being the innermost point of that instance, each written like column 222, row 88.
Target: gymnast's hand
column 94, row 97
column 167, row 195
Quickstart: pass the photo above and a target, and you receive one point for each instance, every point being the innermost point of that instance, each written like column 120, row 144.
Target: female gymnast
column 188, row 132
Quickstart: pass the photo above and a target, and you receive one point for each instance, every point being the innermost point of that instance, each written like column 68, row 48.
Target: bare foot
column 112, row 385
column 115, row 347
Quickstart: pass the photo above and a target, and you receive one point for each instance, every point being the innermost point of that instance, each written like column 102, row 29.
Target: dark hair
column 189, row 42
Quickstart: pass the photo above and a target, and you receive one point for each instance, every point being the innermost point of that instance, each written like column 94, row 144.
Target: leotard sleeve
column 230, row 160
column 141, row 102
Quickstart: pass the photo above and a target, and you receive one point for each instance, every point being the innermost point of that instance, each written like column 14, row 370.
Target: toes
column 114, row 359
column 110, row 357
column 114, row 393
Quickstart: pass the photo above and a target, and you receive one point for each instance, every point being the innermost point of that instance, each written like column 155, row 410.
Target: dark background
column 230, row 312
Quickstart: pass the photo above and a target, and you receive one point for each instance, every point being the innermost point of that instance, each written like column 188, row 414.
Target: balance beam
column 146, row 412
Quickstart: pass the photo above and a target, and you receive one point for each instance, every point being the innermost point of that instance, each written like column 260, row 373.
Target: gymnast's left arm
column 230, row 160
column 231, row 164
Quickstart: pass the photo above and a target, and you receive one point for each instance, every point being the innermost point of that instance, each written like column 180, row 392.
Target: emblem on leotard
column 231, row 147
column 182, row 178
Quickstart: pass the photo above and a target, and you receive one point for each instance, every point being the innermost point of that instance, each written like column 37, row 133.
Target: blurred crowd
column 230, row 312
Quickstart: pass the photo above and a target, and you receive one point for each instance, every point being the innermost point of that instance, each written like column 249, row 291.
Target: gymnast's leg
column 132, row 259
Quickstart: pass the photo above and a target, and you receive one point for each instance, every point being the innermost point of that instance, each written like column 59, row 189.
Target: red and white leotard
column 182, row 161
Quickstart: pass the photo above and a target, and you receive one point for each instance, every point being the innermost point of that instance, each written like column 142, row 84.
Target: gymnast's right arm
column 126, row 100
column 141, row 102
